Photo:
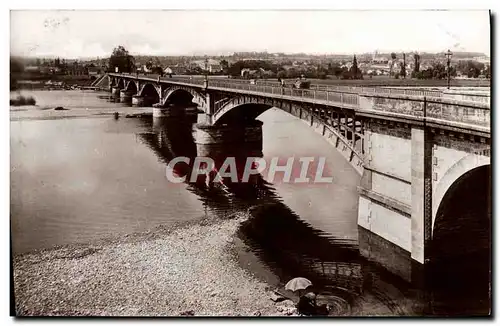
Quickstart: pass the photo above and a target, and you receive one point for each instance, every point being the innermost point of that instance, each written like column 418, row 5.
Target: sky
column 85, row 34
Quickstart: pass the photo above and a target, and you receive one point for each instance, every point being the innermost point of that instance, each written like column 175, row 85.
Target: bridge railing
column 347, row 99
column 317, row 87
column 437, row 108
column 392, row 101
column 340, row 88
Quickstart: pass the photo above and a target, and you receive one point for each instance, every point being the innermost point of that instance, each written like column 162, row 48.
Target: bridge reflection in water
column 287, row 245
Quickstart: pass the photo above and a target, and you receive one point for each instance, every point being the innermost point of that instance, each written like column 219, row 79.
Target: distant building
column 484, row 59
column 381, row 67
column 246, row 72
column 382, row 60
column 347, row 65
column 32, row 69
column 175, row 70
column 376, row 58
column 211, row 65
column 214, row 68
column 75, row 70
column 93, row 71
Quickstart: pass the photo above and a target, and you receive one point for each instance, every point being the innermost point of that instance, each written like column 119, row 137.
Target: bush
column 23, row 100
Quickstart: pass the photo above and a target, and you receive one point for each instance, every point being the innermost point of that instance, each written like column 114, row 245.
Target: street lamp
column 206, row 71
column 448, row 56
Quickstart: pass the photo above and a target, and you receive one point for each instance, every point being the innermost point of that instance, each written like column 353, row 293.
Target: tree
column 487, row 71
column 436, row 71
column 225, row 66
column 292, row 73
column 321, row 74
column 16, row 66
column 417, row 62
column 338, row 70
column 354, row 68
column 121, row 59
column 355, row 72
column 402, row 73
column 195, row 71
column 470, row 68
column 345, row 74
column 157, row 70
column 393, row 58
column 281, row 74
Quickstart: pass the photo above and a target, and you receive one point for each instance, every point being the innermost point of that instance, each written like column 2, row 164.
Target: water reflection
column 172, row 137
column 287, row 245
column 127, row 102
column 282, row 241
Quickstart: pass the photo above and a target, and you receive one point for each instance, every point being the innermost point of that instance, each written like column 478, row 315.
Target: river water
column 91, row 176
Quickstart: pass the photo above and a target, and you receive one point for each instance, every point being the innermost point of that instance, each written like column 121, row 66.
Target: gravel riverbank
column 188, row 270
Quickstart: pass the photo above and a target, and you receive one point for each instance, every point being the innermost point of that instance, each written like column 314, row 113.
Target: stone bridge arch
column 196, row 97
column 247, row 108
column 454, row 173
column 460, row 249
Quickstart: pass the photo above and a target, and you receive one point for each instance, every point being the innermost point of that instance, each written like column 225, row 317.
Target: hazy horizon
column 88, row 34
column 230, row 54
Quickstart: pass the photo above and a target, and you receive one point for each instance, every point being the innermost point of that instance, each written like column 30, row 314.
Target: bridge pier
column 115, row 91
column 159, row 112
column 231, row 140
column 395, row 216
column 238, row 142
column 137, row 100
column 125, row 96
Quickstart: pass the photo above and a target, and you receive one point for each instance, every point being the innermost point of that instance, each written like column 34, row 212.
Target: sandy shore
column 185, row 270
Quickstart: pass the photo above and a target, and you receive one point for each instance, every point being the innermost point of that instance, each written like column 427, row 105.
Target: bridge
column 416, row 151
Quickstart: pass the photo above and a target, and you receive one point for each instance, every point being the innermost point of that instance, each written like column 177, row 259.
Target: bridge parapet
column 468, row 95
column 467, row 112
column 435, row 109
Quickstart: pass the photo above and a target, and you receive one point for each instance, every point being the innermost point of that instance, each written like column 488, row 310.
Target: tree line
column 125, row 62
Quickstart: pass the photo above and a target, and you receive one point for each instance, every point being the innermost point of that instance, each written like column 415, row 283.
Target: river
column 85, row 175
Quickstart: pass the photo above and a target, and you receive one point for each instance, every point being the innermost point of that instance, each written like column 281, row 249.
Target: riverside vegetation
column 21, row 100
